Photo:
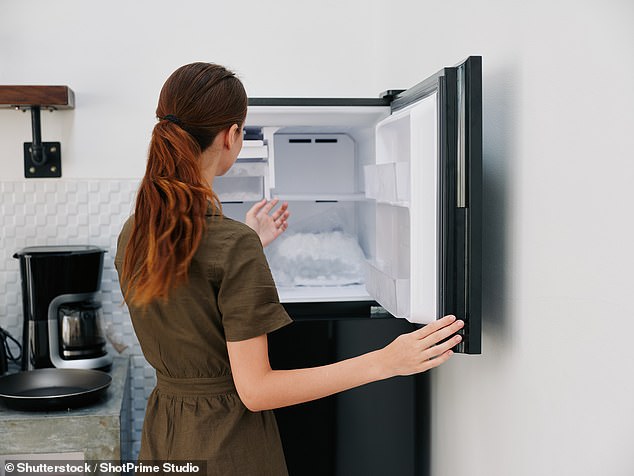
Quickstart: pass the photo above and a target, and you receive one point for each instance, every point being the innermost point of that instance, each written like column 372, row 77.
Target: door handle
column 461, row 165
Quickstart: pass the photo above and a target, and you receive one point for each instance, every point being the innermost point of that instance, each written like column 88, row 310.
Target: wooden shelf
column 56, row 97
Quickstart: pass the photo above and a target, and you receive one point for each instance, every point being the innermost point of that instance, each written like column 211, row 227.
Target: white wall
column 552, row 392
column 116, row 55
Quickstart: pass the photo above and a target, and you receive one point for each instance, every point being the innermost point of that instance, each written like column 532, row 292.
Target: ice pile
column 316, row 259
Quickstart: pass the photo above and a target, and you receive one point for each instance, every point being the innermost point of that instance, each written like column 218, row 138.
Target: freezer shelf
column 354, row 292
column 317, row 197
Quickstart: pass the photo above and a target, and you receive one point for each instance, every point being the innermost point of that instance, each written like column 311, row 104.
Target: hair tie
column 174, row 119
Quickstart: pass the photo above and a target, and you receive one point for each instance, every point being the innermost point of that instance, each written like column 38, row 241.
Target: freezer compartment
column 318, row 170
column 321, row 258
column 347, row 176
column 349, row 230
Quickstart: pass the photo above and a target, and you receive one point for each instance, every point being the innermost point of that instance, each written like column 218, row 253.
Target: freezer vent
column 315, row 166
column 317, row 141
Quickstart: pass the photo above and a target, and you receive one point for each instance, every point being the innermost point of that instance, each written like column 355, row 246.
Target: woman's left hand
column 268, row 227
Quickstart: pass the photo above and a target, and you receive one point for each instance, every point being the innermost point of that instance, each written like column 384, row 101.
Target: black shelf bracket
column 41, row 159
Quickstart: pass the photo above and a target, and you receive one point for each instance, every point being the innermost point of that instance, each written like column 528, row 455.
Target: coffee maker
column 62, row 314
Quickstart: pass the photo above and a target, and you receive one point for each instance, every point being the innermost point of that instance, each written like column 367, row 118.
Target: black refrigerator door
column 458, row 92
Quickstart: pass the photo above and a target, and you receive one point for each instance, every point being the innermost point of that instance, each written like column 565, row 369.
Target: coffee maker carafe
column 62, row 314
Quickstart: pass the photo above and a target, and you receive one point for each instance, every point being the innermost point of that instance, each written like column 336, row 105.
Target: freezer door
column 427, row 182
column 403, row 273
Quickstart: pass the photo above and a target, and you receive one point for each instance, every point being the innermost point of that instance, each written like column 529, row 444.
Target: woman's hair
column 200, row 100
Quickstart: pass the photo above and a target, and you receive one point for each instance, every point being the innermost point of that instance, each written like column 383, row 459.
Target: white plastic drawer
column 246, row 169
column 239, row 188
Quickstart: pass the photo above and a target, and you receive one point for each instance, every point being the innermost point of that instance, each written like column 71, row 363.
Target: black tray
column 50, row 389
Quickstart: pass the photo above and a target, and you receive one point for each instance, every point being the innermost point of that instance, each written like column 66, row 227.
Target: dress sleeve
column 122, row 241
column 247, row 296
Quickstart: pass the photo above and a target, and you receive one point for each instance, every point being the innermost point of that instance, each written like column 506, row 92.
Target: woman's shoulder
column 126, row 228
column 122, row 240
column 128, row 223
column 230, row 226
column 227, row 234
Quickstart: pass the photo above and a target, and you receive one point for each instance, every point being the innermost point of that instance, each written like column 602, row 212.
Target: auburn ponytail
column 199, row 100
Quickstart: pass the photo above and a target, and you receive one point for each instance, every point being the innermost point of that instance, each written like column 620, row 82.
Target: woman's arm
column 261, row 388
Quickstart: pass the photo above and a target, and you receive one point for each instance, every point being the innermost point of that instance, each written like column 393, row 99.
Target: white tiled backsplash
column 62, row 212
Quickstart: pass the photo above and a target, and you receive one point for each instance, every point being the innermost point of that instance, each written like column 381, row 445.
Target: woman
column 202, row 299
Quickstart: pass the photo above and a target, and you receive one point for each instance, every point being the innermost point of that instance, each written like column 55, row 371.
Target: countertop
column 101, row 430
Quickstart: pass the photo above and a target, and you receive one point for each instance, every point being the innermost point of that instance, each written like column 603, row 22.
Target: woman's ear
column 231, row 135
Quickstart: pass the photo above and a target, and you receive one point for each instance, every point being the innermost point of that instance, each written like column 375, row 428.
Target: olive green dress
column 194, row 412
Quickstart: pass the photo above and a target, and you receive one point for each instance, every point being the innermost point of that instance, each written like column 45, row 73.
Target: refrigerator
column 385, row 231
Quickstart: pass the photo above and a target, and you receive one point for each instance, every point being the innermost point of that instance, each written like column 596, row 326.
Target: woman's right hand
column 419, row 351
